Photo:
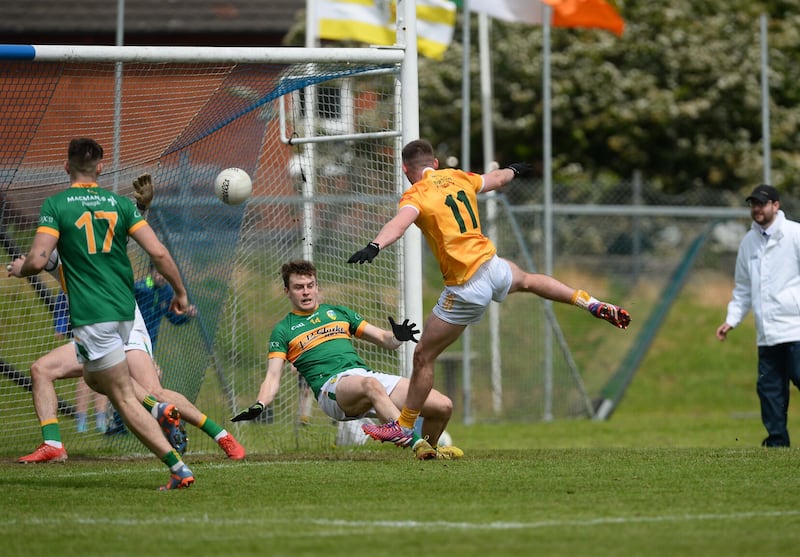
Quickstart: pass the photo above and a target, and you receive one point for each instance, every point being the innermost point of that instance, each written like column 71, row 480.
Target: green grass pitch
column 571, row 488
column 677, row 470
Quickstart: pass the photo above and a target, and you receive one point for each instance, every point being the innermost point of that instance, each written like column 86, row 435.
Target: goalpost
column 318, row 130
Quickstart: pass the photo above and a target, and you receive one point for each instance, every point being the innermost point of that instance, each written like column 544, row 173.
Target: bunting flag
column 597, row 14
column 373, row 22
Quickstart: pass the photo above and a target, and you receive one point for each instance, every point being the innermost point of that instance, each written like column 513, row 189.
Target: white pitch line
column 599, row 521
column 124, row 471
column 389, row 524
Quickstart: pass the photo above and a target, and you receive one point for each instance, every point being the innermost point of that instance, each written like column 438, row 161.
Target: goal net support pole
column 185, row 114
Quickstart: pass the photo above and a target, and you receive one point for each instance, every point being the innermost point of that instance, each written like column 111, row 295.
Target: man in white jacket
column 768, row 282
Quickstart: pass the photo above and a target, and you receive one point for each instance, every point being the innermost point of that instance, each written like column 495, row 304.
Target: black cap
column 764, row 193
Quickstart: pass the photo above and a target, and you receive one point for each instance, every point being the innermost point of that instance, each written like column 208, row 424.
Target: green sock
column 149, row 402
column 171, row 458
column 210, row 427
column 51, row 431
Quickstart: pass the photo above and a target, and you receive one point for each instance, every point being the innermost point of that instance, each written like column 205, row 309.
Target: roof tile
column 149, row 16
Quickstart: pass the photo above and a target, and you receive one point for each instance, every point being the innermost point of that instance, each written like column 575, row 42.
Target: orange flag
column 566, row 13
column 586, row 13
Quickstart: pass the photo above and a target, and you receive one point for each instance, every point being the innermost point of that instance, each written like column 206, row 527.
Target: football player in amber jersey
column 443, row 204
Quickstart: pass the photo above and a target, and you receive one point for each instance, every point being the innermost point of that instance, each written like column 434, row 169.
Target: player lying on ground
column 317, row 339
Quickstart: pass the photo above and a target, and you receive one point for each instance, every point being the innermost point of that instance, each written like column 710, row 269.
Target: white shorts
column 139, row 338
column 327, row 394
column 108, row 342
column 100, row 346
column 465, row 304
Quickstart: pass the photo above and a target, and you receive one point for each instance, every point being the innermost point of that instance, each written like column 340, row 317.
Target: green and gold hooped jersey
column 319, row 344
column 92, row 226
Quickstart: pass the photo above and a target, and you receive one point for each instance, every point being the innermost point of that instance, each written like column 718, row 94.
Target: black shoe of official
column 770, row 443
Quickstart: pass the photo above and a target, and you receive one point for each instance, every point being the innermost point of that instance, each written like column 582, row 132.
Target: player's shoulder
column 286, row 318
column 122, row 200
column 283, row 326
column 333, row 307
column 330, row 310
column 59, row 197
column 455, row 173
column 791, row 229
column 335, row 311
column 354, row 315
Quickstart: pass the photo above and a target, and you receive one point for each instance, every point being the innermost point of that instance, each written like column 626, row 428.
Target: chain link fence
column 626, row 243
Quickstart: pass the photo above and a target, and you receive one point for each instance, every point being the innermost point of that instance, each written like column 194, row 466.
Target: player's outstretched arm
column 266, row 394
column 250, row 413
column 501, row 176
column 389, row 234
column 365, row 254
column 393, row 338
column 143, row 191
column 404, row 331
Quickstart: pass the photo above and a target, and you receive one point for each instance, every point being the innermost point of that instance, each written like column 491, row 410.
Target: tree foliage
column 678, row 96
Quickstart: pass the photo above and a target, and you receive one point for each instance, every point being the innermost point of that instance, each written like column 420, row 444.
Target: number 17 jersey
column 92, row 225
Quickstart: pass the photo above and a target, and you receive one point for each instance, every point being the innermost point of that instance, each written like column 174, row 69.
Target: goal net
column 316, row 129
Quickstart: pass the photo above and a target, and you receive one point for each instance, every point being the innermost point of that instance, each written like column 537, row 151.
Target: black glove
column 521, row 169
column 405, row 331
column 249, row 414
column 367, row 254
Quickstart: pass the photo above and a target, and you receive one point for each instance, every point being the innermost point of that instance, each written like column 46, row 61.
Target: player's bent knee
column 439, row 406
column 37, row 371
column 422, row 361
column 445, row 406
column 372, row 387
column 50, row 370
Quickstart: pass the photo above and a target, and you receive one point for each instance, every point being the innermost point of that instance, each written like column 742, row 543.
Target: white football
column 233, row 186
column 52, row 262
column 349, row 433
